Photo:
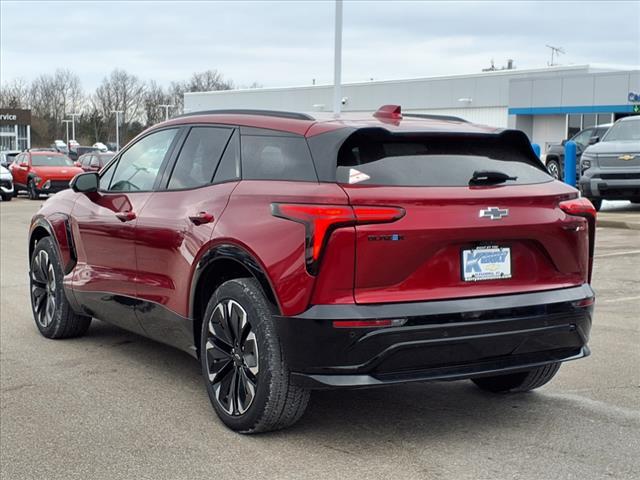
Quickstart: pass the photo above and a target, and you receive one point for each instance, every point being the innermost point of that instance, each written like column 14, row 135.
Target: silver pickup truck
column 611, row 168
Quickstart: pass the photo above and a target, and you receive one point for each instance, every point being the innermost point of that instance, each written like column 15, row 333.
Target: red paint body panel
column 168, row 244
column 275, row 242
column 547, row 251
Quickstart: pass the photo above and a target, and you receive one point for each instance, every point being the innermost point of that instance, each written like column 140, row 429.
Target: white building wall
column 492, row 116
column 548, row 129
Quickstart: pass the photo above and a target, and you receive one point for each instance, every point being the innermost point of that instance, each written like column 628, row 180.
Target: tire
column 51, row 310
column 597, row 203
column 254, row 365
column 7, row 198
column 518, row 382
column 553, row 167
column 31, row 190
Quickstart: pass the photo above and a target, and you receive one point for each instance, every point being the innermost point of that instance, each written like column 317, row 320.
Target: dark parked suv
column 291, row 253
column 554, row 158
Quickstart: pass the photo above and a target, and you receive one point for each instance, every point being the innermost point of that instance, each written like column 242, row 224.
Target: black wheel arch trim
column 229, row 251
column 44, row 223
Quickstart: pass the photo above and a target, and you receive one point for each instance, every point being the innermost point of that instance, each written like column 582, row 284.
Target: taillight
column 391, row 322
column 582, row 207
column 320, row 220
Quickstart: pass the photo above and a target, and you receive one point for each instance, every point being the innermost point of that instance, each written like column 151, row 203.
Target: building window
column 574, row 125
column 589, row 120
column 604, row 118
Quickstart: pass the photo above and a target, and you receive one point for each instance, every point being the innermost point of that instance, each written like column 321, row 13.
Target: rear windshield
column 50, row 161
column 435, row 161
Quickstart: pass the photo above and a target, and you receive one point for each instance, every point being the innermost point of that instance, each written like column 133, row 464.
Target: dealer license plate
column 486, row 263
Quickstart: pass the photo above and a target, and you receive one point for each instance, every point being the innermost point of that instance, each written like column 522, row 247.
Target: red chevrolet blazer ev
column 291, row 253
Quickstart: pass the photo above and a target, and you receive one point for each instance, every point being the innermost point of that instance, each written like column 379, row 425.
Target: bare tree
column 15, row 94
column 124, row 92
column 154, row 96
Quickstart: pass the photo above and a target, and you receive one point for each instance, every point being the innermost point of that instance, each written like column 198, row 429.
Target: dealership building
column 15, row 129
column 548, row 104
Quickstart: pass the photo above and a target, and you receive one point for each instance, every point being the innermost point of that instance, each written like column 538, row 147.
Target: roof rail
column 240, row 111
column 429, row 116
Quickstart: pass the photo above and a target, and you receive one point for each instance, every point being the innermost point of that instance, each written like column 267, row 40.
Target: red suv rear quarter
column 42, row 171
column 291, row 253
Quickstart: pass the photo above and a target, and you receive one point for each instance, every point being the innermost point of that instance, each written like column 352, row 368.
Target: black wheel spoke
column 232, row 357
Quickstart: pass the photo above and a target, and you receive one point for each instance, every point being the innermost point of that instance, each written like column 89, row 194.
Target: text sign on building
column 14, row 116
column 634, row 97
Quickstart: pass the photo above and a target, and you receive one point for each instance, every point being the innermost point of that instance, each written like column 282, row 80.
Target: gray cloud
column 289, row 43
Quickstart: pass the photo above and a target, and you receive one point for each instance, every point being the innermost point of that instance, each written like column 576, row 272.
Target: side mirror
column 563, row 142
column 594, row 140
column 24, row 164
column 85, row 182
column 95, row 164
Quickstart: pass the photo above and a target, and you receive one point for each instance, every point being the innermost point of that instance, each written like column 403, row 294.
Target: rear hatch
column 497, row 235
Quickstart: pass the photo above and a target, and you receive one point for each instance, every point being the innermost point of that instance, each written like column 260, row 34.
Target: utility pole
column 117, row 112
column 73, row 124
column 166, row 110
column 67, row 122
column 337, row 60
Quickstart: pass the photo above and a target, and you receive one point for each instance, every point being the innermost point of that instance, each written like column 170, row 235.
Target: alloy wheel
column 43, row 288
column 232, row 357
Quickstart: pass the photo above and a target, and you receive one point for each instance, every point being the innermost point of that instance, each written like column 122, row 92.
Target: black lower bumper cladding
column 439, row 340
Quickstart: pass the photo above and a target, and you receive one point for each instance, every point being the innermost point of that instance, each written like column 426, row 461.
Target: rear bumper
column 440, row 340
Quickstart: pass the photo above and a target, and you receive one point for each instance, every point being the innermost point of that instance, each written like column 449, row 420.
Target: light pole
column 67, row 122
column 166, row 110
column 73, row 124
column 337, row 60
column 117, row 112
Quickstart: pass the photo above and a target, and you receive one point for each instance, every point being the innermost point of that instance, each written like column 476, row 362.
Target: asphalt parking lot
column 114, row 405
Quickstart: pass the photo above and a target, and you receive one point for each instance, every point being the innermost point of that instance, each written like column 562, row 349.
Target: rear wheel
column 32, row 191
column 245, row 374
column 51, row 310
column 553, row 166
column 518, row 382
column 7, row 197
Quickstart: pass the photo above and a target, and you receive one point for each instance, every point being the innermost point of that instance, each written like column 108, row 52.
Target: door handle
column 200, row 218
column 126, row 216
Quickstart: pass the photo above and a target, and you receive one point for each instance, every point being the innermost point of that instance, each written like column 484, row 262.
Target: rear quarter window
column 267, row 157
column 437, row 161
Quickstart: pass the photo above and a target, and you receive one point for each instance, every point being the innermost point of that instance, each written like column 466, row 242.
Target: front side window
column 276, row 158
column 140, row 164
column 583, row 137
column 199, row 157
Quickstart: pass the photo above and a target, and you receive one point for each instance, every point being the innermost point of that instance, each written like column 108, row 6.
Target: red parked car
column 94, row 161
column 291, row 253
column 42, row 171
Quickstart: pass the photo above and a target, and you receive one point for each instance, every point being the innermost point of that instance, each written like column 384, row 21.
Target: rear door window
column 438, row 161
column 276, row 157
column 199, row 157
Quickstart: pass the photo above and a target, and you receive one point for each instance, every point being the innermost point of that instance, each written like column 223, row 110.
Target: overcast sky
column 290, row 43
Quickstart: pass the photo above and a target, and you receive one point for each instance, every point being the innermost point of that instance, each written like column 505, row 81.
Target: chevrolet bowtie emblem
column 626, row 157
column 494, row 213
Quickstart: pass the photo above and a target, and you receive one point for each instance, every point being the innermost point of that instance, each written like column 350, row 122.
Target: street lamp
column 337, row 59
column 166, row 110
column 67, row 122
column 73, row 124
column 117, row 112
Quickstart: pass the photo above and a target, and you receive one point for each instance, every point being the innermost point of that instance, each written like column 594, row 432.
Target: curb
column 617, row 224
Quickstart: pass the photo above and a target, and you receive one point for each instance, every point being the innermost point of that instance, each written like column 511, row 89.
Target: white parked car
column 101, row 146
column 6, row 184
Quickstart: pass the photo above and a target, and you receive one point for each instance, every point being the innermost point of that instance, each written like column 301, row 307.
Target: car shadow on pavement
column 421, row 410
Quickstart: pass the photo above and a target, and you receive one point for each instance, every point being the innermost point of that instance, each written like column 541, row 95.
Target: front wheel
column 244, row 371
column 7, row 197
column 51, row 310
column 553, row 167
column 32, row 191
column 518, row 382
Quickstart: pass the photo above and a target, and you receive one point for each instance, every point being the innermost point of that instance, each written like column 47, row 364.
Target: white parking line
column 616, row 254
column 621, row 299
